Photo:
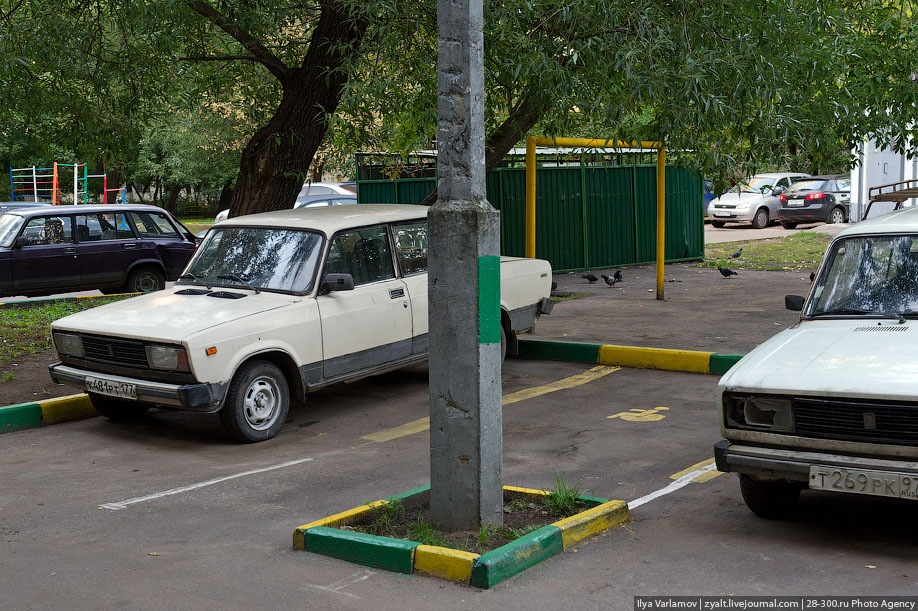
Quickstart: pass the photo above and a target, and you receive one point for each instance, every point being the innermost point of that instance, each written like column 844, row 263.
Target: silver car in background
column 754, row 200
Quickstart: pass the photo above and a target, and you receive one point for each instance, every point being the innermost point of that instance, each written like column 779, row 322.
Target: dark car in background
column 118, row 248
column 823, row 199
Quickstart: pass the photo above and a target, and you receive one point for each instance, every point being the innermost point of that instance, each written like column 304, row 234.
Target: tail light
column 811, row 196
column 783, row 198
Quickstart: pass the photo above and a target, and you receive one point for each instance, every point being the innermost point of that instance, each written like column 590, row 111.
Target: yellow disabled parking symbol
column 642, row 415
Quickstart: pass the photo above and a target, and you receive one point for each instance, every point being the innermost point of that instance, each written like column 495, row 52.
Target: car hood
column 170, row 316
column 735, row 198
column 833, row 357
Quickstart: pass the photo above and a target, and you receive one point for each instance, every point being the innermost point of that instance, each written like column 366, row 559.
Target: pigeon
column 589, row 277
column 726, row 272
column 812, row 276
column 610, row 280
column 737, row 254
column 617, row 275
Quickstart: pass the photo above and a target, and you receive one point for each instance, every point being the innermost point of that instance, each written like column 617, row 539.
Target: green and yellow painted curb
column 46, row 411
column 692, row 361
column 329, row 537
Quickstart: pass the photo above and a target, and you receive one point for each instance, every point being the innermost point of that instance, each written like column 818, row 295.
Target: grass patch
column 26, row 329
column 797, row 251
column 559, row 297
column 521, row 517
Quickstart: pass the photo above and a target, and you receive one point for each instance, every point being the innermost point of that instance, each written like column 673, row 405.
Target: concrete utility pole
column 466, row 445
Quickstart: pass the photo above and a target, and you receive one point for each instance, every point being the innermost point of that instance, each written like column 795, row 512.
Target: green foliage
column 424, row 533
column 562, row 500
column 383, row 518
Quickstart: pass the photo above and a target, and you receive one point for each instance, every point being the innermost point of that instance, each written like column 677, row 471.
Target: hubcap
column 260, row 405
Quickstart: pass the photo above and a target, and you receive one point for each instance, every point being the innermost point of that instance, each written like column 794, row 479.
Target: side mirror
column 336, row 282
column 21, row 241
column 793, row 303
column 777, row 191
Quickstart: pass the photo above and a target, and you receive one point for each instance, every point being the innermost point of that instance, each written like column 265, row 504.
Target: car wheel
column 503, row 343
column 257, row 402
column 118, row 410
column 718, row 224
column 760, row 220
column 769, row 499
column 145, row 280
column 836, row 216
column 789, row 225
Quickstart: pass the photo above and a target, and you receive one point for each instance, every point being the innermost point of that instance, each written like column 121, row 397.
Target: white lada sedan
column 271, row 305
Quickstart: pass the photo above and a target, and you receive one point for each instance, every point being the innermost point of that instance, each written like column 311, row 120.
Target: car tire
column 118, row 410
column 718, row 224
column 769, row 499
column 760, row 220
column 145, row 280
column 503, row 343
column 789, row 225
column 257, row 402
column 836, row 216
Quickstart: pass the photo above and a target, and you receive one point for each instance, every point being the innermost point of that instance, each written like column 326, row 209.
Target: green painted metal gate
column 587, row 217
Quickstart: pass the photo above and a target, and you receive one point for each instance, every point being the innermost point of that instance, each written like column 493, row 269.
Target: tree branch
column 259, row 52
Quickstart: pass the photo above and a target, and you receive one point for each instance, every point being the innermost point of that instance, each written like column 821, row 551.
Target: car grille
column 115, row 351
column 857, row 420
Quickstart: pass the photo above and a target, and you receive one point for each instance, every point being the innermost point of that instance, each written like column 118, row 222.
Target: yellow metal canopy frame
column 533, row 141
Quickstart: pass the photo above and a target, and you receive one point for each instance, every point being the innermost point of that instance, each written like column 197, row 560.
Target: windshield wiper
column 239, row 280
column 195, row 278
column 862, row 312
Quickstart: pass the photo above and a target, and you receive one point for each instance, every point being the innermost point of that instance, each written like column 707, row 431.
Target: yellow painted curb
column 64, row 409
column 332, row 521
column 443, row 562
column 655, row 358
column 592, row 521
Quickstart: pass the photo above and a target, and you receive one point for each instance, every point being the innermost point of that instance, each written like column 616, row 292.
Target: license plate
column 795, row 202
column 858, row 481
column 721, row 213
column 122, row 390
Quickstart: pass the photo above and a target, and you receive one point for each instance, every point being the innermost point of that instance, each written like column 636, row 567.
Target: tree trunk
column 522, row 118
column 277, row 158
column 174, row 192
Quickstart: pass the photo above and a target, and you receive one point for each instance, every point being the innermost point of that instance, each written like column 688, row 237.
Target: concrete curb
column 628, row 356
column 75, row 407
column 329, row 537
column 46, row 411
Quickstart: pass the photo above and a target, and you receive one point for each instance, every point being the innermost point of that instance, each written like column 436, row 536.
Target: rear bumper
column 192, row 397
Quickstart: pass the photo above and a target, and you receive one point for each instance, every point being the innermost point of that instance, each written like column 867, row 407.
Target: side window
column 151, row 225
column 46, row 230
column 362, row 253
column 783, row 183
column 110, row 226
column 411, row 246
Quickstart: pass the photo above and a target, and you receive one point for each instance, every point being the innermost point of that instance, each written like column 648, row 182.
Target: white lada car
column 274, row 305
column 832, row 403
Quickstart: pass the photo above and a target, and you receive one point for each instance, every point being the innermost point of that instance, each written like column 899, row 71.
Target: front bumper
column 731, row 214
column 791, row 465
column 192, row 397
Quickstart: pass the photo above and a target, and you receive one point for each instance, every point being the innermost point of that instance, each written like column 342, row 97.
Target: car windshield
column 808, row 185
column 257, row 257
column 9, row 227
column 757, row 184
column 868, row 275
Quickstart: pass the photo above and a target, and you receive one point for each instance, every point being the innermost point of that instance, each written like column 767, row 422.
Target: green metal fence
column 587, row 217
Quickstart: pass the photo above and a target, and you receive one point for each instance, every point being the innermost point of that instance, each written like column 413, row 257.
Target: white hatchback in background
column 309, row 189
column 754, row 200
column 832, row 403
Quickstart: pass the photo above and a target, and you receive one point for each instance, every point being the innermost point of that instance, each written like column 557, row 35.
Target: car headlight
column 762, row 413
column 68, row 344
column 169, row 358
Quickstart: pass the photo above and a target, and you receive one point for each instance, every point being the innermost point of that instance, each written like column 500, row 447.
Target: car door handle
column 70, row 251
column 396, row 293
column 130, row 246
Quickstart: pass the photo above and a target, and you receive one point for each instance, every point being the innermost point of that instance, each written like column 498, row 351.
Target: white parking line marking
column 210, row 482
column 682, row 482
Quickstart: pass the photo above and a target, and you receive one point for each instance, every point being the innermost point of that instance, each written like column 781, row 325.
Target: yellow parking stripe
column 422, row 424
column 701, row 478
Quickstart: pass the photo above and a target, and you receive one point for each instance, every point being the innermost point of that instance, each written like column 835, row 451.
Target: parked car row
column 785, row 198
